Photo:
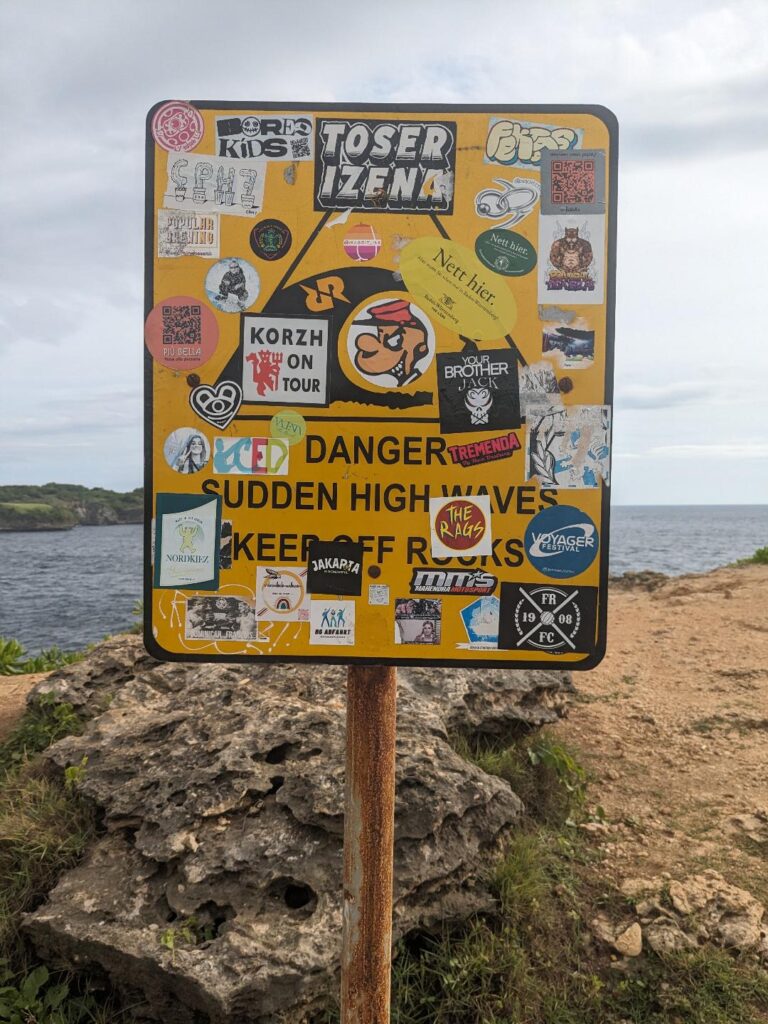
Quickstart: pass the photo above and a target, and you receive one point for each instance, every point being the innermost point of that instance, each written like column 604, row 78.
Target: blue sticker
column 561, row 541
column 481, row 621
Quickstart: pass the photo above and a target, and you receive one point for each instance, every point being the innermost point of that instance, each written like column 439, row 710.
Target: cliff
column 62, row 506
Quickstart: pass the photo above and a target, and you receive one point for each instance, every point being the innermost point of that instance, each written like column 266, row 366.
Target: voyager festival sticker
column 478, row 391
column 181, row 333
column 561, row 541
column 544, row 617
column 187, row 541
column 285, row 358
column 569, row 447
column 332, row 622
column 417, row 620
column 460, row 526
column 281, row 594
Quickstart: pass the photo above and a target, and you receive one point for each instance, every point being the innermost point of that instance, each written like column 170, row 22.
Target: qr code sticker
column 182, row 325
column 573, row 181
column 300, row 148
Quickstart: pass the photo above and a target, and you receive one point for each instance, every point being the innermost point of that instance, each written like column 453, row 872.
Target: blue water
column 74, row 587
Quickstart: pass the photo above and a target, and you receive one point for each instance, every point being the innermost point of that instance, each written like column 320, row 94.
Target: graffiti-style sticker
column 335, row 567
column 544, row 617
column 332, row 622
column 181, row 333
column 281, row 594
column 232, row 285
column 220, row 618
column 266, row 456
column 475, row 453
column 570, row 447
column 572, row 259
column 217, row 405
column 378, row 593
column 213, row 184
column 187, row 543
column 390, row 166
column 505, row 252
column 573, row 182
column 285, row 359
column 187, row 450
column 225, row 544
column 177, row 126
column 391, row 343
column 524, row 142
column 481, row 622
column 539, row 391
column 510, row 202
column 184, row 233
column 270, row 137
column 361, row 243
column 561, row 541
column 457, row 290
column 270, row 239
column 572, row 348
column 478, row 391
column 460, row 526
column 418, row 620
column 452, row 581
column 288, row 425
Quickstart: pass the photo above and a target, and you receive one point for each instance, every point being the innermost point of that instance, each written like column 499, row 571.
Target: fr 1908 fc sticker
column 547, row 617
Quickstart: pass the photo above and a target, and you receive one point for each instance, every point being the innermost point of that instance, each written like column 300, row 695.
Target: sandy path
column 13, row 696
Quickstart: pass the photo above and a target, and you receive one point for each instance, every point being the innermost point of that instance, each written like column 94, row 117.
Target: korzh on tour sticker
column 177, row 126
column 561, row 541
column 181, row 333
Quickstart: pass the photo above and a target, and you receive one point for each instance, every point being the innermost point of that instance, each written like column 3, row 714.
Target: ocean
column 73, row 588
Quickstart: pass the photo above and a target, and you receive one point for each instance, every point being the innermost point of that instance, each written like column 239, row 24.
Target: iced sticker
column 211, row 184
column 460, row 526
column 185, row 233
column 281, row 594
column 570, row 447
column 417, row 620
column 285, row 359
column 266, row 456
column 332, row 622
column 187, row 545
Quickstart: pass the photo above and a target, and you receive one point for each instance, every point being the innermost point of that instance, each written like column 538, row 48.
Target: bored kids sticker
column 460, row 526
column 418, row 620
column 332, row 622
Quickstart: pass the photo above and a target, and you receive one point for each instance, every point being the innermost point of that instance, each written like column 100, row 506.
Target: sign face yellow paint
column 379, row 357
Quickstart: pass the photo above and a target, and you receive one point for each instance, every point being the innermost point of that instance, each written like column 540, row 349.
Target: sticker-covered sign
column 378, row 365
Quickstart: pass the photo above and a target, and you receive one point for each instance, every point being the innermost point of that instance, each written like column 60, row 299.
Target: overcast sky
column 688, row 82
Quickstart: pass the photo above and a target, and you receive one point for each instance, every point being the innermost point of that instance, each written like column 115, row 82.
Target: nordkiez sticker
column 481, row 622
column 187, row 450
column 391, row 343
column 524, row 142
column 270, row 239
column 335, row 567
column 271, row 137
column 211, row 184
column 417, row 620
column 570, row 447
column 281, row 594
column 220, row 618
column 571, row 259
column 510, row 202
column 332, row 622
column 285, row 359
column 505, row 252
column 544, row 617
column 265, row 456
column 573, row 182
column 475, row 453
column 177, row 126
column 452, row 581
column 561, row 541
column 397, row 167
column 181, row 333
column 182, row 233
column 187, row 541
column 478, row 391
column 460, row 526
column 232, row 285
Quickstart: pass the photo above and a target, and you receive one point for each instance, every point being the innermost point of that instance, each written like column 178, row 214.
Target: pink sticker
column 181, row 333
column 361, row 243
column 177, row 126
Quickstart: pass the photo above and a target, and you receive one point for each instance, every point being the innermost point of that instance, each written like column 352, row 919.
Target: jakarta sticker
column 187, row 450
column 181, row 333
column 457, row 290
column 271, row 239
column 361, row 243
column 506, row 252
column 232, row 285
column 177, row 126
column 561, row 541
column 391, row 342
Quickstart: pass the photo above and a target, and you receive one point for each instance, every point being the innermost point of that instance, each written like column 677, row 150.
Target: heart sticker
column 217, row 406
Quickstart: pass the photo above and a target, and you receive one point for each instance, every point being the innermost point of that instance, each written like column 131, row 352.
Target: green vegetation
column 760, row 557
column 61, row 506
column 14, row 660
column 35, row 516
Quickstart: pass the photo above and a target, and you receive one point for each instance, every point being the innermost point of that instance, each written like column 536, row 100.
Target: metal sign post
column 369, row 822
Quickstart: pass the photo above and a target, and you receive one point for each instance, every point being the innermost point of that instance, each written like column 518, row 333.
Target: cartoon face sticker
column 391, row 343
column 250, row 125
column 479, row 402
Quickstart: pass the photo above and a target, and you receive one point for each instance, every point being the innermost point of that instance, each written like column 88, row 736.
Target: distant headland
column 62, row 506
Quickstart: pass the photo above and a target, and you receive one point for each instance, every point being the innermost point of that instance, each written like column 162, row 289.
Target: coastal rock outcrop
column 216, row 889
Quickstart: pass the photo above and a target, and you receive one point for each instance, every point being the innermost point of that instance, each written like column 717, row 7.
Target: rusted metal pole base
column 369, row 826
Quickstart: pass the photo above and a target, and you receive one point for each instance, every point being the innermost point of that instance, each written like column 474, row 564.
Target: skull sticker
column 391, row 343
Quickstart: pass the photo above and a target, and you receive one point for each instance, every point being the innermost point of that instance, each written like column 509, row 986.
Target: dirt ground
column 673, row 726
column 13, row 695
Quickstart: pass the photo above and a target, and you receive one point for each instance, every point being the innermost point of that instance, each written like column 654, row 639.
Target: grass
column 760, row 557
column 14, row 660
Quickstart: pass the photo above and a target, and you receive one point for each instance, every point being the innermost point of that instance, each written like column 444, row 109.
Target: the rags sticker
column 392, row 166
column 211, row 184
column 460, row 526
column 186, row 233
column 547, row 617
column 262, row 456
column 481, row 622
column 418, row 620
column 478, row 391
column 570, row 447
column 561, row 541
column 285, row 359
column 269, row 137
column 523, row 142
column 281, row 594
column 573, row 182
column 571, row 259
column 335, row 567
column 220, row 618
column 187, row 542
column 332, row 622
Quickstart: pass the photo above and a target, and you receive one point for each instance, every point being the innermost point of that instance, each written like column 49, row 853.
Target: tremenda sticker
column 397, row 167
column 285, row 359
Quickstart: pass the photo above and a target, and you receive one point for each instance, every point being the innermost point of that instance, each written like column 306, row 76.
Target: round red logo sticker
column 177, row 126
column 181, row 333
column 460, row 525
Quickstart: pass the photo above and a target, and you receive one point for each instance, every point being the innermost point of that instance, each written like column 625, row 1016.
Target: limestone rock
column 630, row 941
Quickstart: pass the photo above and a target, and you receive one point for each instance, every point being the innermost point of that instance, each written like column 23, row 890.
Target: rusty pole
column 369, row 826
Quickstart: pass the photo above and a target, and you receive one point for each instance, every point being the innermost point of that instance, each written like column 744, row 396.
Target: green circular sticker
column 506, row 252
column 289, row 425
